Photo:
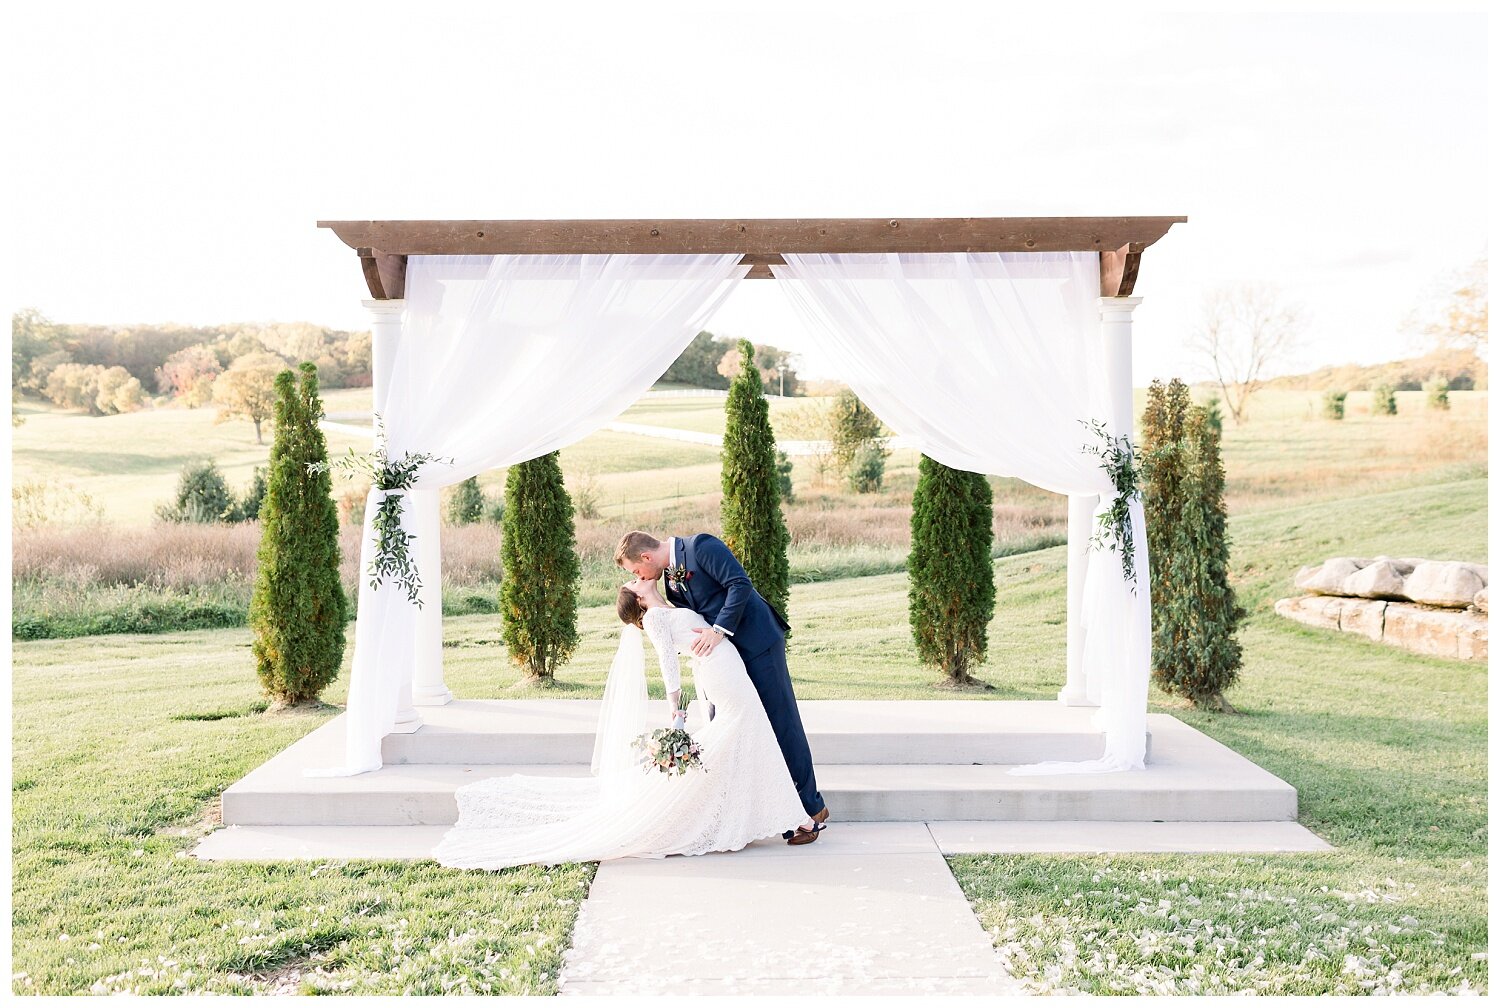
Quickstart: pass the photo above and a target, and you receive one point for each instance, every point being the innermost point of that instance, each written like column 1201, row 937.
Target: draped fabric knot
column 389, row 480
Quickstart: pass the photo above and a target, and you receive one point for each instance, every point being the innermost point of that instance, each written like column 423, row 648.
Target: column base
column 433, row 697
column 406, row 723
column 1068, row 699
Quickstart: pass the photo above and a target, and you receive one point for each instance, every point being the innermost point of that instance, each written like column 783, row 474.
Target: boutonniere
column 678, row 576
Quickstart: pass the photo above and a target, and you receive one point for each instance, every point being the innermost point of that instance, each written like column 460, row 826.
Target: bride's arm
column 659, row 629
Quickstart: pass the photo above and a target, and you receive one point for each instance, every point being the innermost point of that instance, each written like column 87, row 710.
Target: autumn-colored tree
column 1463, row 322
column 189, row 374
column 74, row 386
column 248, row 389
column 117, row 391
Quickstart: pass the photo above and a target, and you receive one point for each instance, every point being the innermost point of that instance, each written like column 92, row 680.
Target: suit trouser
column 773, row 682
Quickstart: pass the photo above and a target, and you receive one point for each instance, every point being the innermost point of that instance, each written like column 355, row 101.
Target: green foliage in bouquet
column 669, row 751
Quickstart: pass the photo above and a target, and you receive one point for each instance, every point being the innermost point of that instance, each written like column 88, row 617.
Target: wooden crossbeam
column 383, row 245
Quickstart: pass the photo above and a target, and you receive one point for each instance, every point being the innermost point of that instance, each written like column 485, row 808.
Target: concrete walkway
column 871, row 908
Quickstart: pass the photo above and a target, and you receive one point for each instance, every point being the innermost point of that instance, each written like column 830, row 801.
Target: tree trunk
column 1215, row 702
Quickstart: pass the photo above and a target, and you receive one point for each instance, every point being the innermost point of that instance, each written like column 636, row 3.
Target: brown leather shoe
column 821, row 816
column 803, row 835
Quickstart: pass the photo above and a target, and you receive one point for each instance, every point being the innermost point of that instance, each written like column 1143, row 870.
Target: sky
column 169, row 162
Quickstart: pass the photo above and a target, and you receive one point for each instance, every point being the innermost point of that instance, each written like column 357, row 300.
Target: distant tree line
column 711, row 362
column 115, row 369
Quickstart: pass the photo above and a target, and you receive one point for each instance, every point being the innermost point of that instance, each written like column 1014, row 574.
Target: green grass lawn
column 1388, row 754
column 1386, row 749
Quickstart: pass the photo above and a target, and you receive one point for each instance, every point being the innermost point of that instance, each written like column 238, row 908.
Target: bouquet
column 669, row 750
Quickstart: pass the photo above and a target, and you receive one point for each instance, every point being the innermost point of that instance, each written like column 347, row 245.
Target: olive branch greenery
column 392, row 542
column 1120, row 462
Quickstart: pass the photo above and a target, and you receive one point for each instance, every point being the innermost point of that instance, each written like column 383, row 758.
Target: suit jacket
column 720, row 591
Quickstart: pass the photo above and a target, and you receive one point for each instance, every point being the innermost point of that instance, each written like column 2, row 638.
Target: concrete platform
column 1192, row 778
column 415, row 843
column 516, row 732
column 1125, row 838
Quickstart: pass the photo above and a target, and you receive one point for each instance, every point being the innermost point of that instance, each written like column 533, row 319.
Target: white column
column 1115, row 333
column 1115, row 337
column 385, row 336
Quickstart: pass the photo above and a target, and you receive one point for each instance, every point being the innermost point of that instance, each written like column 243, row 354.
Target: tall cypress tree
column 1195, row 616
column 952, row 579
column 539, row 581
column 754, row 529
column 466, row 502
column 298, row 610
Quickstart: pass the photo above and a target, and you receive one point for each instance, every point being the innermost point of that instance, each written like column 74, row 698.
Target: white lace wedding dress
column 746, row 793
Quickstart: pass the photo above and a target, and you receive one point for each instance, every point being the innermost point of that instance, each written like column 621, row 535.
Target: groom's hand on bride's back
column 708, row 639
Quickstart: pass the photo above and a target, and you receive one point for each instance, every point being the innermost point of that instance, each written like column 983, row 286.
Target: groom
column 704, row 576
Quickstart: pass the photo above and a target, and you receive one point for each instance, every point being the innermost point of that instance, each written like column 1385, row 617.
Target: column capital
column 1117, row 309
column 383, row 308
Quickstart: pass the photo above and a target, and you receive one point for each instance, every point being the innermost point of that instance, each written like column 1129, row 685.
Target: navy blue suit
column 719, row 590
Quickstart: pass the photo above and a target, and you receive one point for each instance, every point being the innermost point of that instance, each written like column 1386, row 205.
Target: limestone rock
column 1474, row 639
column 1380, row 580
column 1451, row 585
column 1403, row 567
column 1482, row 600
column 1444, row 633
column 1314, row 610
column 1363, row 616
column 1328, row 577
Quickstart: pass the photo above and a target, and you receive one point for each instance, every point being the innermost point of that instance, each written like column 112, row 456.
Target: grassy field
column 1387, row 751
column 1285, row 453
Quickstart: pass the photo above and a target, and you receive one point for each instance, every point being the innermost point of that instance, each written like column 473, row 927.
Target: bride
column 742, row 792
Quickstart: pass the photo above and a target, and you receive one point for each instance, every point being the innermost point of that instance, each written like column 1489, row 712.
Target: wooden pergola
column 384, row 245
column 383, row 248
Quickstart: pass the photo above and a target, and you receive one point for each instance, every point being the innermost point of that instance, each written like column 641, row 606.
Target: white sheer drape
column 990, row 362
column 503, row 359
column 624, row 713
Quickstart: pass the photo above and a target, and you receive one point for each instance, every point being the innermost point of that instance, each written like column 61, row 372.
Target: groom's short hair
column 634, row 545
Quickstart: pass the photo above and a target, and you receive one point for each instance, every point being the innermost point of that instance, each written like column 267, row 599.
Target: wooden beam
column 385, row 273
column 1118, row 269
column 762, row 238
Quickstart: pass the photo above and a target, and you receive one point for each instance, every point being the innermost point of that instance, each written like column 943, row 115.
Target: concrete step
column 1192, row 778
column 560, row 732
column 416, row 843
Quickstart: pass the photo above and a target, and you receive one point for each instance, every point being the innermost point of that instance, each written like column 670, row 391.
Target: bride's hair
column 629, row 607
